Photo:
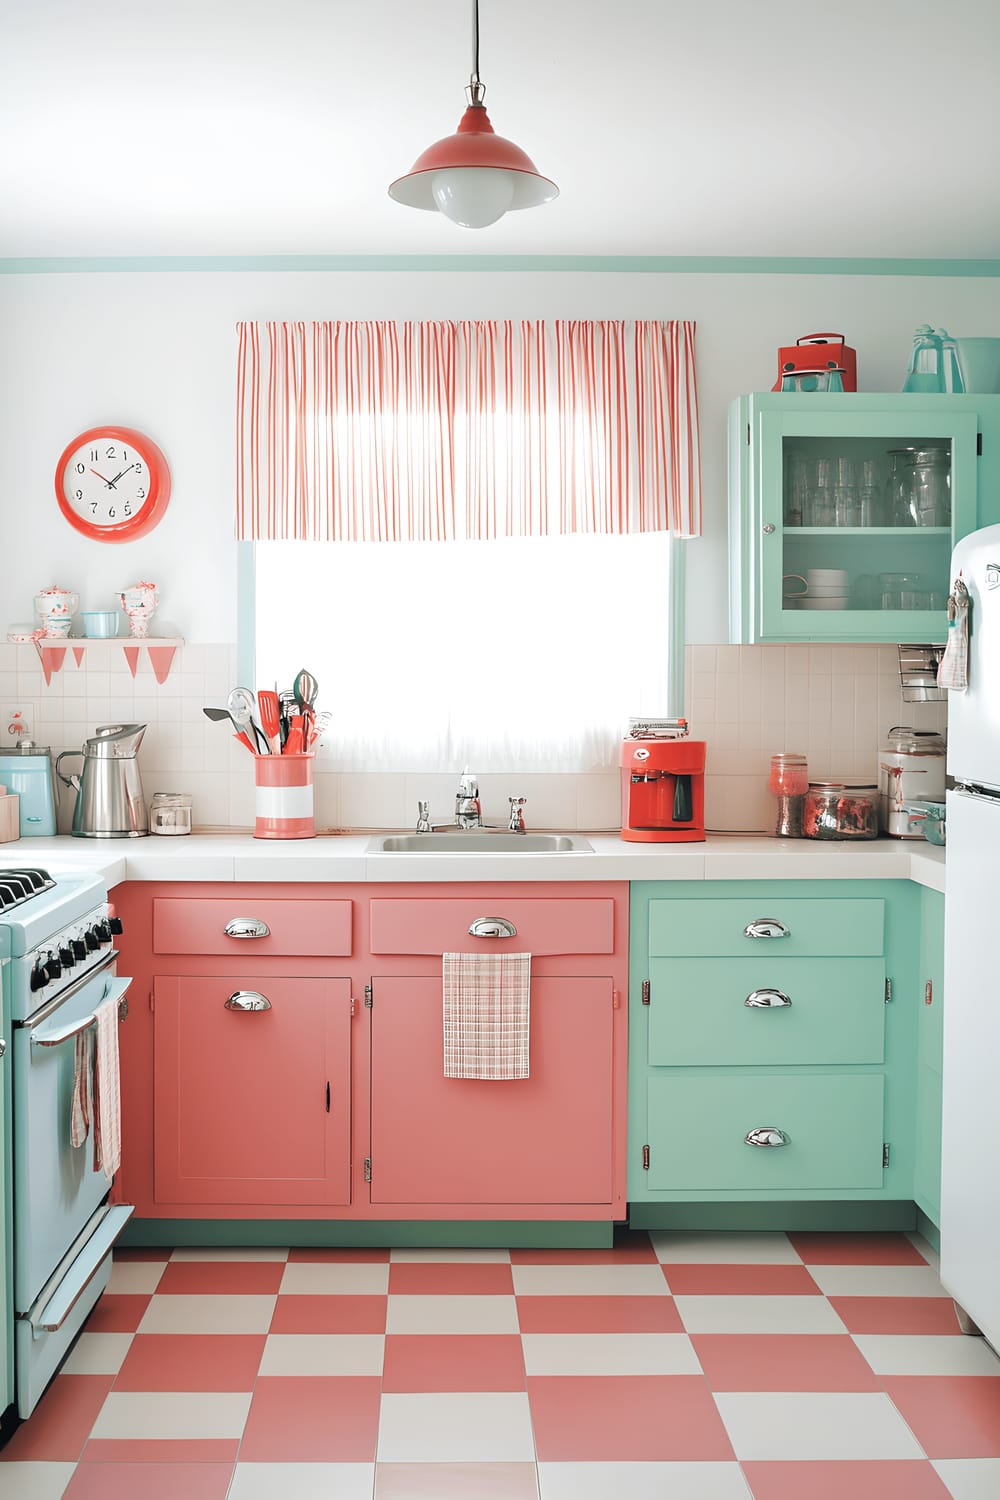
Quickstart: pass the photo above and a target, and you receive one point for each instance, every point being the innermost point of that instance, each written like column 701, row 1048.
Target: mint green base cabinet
column 6, row 1226
column 775, row 441
column 805, row 1041
column 927, row 1169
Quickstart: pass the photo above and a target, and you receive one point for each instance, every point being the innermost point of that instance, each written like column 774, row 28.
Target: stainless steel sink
column 479, row 841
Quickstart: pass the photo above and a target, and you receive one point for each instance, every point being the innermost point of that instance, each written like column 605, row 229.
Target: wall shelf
column 160, row 649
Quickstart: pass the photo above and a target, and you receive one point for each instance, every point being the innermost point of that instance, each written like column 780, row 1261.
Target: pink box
column 10, row 817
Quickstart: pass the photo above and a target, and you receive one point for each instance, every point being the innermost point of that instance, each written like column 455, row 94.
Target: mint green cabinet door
column 930, row 1005
column 779, row 530
column 766, row 1010
column 806, row 927
column 6, row 1266
column 832, row 1125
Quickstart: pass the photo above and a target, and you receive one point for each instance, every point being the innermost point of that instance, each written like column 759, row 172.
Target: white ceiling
column 712, row 128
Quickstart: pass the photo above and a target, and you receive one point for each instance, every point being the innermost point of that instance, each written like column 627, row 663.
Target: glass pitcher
column 926, row 487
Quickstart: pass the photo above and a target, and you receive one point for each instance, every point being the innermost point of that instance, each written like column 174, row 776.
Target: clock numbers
column 112, row 483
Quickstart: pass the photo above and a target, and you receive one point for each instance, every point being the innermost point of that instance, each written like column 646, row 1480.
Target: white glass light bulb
column 473, row 196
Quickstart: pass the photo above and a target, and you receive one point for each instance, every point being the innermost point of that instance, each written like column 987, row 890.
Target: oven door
column 63, row 1226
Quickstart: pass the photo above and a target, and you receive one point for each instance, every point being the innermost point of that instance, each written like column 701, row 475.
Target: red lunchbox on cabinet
column 808, row 354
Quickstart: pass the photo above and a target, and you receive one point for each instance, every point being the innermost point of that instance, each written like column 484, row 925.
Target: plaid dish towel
column 953, row 670
column 486, row 1014
column 83, row 1081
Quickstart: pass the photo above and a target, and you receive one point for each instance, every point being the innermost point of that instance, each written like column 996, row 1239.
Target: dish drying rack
column 918, row 669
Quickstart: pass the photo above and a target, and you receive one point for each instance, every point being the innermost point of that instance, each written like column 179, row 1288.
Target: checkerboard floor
column 671, row 1367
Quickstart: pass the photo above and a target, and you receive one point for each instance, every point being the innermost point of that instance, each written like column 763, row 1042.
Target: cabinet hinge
column 328, row 1096
column 645, row 992
column 929, row 992
column 616, row 1000
column 748, row 434
column 354, row 1006
column 368, row 1169
column 152, row 1000
column 979, row 444
column 888, row 991
column 645, row 1158
column 368, row 996
column 885, row 1153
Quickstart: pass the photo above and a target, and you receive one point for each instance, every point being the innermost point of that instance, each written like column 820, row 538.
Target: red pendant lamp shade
column 475, row 176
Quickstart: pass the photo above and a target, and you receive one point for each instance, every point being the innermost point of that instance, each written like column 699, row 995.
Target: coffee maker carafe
column 663, row 783
column 109, row 800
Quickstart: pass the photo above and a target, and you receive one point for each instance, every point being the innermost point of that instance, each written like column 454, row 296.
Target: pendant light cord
column 475, row 41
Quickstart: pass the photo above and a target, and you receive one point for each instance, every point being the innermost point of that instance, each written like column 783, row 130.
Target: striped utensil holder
column 284, row 796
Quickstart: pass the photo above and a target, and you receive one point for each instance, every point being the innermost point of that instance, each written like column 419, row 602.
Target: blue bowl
column 100, row 624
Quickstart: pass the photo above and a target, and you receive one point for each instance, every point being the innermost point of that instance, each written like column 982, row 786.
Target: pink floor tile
column 886, row 1479
column 924, row 1315
column 631, row 1247
column 61, row 1422
column 626, row 1418
column 116, row 1312
column 318, row 1313
column 706, row 1280
column 366, row 1254
column 191, row 1362
column 833, row 1249
column 598, row 1315
column 453, row 1362
column 220, row 1277
column 428, row 1481
column 783, row 1362
column 312, row 1419
column 951, row 1416
column 170, row 1451
column 450, row 1279
column 152, row 1481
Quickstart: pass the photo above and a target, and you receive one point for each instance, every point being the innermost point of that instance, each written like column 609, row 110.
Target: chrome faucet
column 423, row 819
column 515, row 823
column 468, row 809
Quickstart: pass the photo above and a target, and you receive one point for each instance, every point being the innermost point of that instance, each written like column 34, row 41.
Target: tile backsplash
column 833, row 703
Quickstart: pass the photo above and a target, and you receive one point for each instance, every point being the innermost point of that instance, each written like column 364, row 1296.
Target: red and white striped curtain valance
column 381, row 431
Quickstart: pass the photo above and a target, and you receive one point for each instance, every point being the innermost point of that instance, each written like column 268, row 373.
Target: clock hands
column 109, row 482
column 113, row 483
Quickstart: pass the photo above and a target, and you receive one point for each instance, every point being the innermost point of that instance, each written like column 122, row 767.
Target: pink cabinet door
column 545, row 1139
column 252, row 1105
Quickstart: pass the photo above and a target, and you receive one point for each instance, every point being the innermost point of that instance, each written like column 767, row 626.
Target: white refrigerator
column 970, row 1163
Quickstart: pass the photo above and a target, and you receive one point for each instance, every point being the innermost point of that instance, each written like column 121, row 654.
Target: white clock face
column 106, row 482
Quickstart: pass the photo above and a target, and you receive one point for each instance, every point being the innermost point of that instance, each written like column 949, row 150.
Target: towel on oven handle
column 96, row 1088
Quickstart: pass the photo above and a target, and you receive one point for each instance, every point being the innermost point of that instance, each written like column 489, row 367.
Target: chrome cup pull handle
column 246, row 927
column 248, row 1000
column 765, row 1135
column 496, row 927
column 766, row 927
column 767, row 1000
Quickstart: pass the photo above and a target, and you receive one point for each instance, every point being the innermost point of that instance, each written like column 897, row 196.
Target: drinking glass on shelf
column 796, row 489
column 897, row 489
column 871, row 505
column 846, row 505
column 822, row 509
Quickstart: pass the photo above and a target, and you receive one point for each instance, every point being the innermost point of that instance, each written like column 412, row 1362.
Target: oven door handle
column 51, row 1006
column 118, row 989
column 51, row 1311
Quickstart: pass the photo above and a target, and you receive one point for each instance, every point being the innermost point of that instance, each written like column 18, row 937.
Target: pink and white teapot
column 139, row 603
column 54, row 609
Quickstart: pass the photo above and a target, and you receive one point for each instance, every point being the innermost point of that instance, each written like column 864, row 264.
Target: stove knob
column 90, row 940
column 115, row 926
column 67, row 957
column 79, row 948
column 53, row 967
column 103, row 930
column 39, row 977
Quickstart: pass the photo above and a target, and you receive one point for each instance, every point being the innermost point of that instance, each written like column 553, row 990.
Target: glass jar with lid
column 170, row 813
column 840, row 810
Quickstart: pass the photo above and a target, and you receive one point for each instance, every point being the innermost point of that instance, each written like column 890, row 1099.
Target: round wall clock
column 112, row 484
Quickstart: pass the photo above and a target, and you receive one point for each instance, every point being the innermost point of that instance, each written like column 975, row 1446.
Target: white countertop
column 237, row 855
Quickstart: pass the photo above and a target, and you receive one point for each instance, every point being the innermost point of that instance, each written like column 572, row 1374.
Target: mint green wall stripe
column 631, row 264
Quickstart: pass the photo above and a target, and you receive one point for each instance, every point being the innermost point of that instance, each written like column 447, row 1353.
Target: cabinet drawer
column 698, row 1015
column 833, row 1124
column 812, row 927
column 297, row 927
column 543, row 926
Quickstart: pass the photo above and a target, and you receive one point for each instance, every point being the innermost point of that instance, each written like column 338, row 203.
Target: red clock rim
column 159, row 485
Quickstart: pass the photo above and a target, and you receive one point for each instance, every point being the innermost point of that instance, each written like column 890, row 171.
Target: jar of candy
column 789, row 781
column 840, row 810
column 170, row 813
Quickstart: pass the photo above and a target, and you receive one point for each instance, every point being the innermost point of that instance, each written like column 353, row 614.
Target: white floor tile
column 466, row 1254
column 677, row 1247
column 240, row 1313
column 967, row 1478
column 303, row 1481
column 173, row 1414
column 226, row 1252
column 97, row 1354
column 29, row 1481
column 452, row 1315
column 129, row 1277
column 917, row 1354
column 817, row 1426
column 487, row 1427
column 323, row 1354
column 589, row 1281
column 336, row 1278
column 609, row 1354
column 642, row 1481
column 924, row 1248
column 758, row 1315
column 877, row 1281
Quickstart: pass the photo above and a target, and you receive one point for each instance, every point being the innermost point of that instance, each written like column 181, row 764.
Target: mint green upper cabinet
column 786, row 453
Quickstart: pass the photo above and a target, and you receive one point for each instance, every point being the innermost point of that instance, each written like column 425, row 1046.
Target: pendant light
column 473, row 177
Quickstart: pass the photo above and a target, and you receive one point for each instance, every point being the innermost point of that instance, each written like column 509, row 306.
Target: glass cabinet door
column 854, row 506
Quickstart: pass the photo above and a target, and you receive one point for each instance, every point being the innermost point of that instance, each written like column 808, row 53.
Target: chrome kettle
column 109, row 800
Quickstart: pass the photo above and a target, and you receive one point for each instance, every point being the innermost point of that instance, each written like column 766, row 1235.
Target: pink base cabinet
column 284, row 1059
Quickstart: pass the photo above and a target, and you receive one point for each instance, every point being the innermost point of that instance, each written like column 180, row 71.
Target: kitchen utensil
column 911, row 768
column 305, row 688
column 27, row 771
column 319, row 726
column 109, row 800
column 928, row 817
column 295, row 743
column 241, row 705
column 99, row 624
column 289, row 707
column 218, row 714
column 270, row 718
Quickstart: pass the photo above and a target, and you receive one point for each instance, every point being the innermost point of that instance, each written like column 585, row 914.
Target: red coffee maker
column 663, row 783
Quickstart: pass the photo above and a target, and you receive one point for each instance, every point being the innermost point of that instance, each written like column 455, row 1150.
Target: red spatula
column 270, row 718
